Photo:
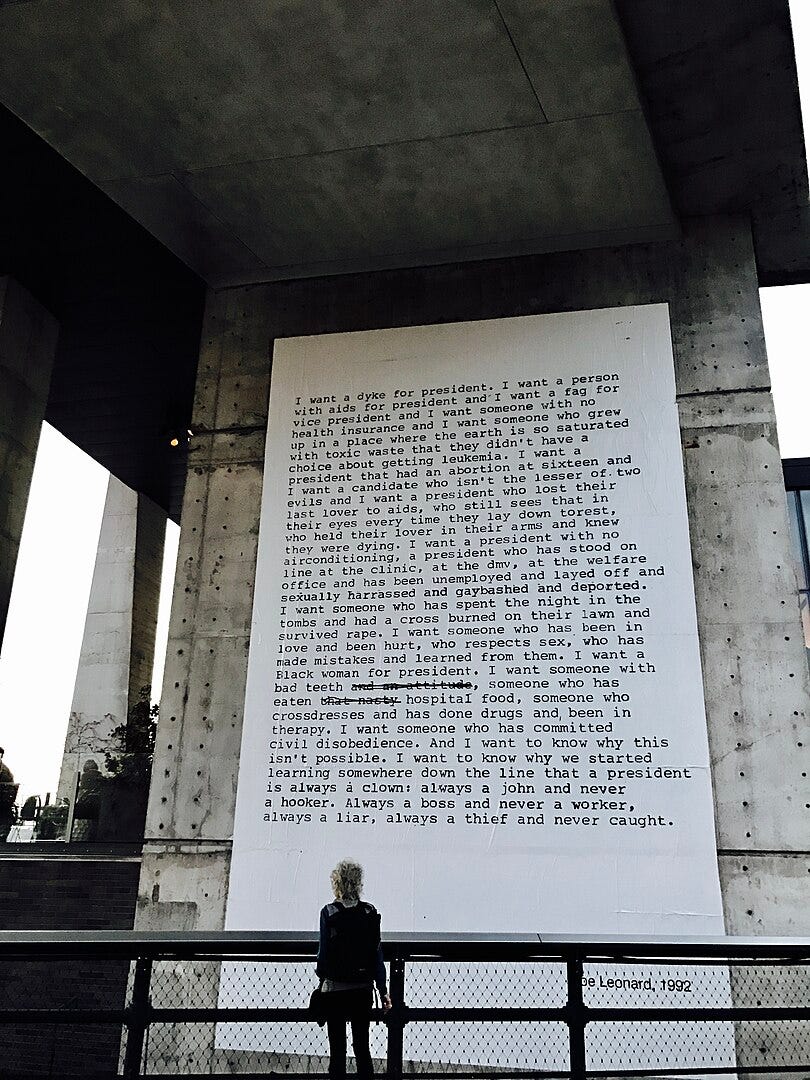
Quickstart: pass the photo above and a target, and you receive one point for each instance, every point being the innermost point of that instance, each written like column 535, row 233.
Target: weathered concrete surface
column 118, row 646
column 150, row 536
column 745, row 590
column 752, row 647
column 193, row 791
column 186, row 858
column 265, row 141
column 767, row 894
column 27, row 343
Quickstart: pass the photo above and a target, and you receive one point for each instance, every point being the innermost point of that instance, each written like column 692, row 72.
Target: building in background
column 797, row 485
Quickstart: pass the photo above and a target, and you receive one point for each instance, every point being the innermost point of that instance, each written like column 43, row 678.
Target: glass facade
column 797, row 483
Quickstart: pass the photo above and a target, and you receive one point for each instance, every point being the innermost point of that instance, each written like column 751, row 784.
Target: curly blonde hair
column 347, row 880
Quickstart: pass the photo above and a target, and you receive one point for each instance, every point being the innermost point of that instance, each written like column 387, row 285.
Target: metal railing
column 466, row 1006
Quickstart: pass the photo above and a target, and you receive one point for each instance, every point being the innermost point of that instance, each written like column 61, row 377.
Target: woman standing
column 350, row 962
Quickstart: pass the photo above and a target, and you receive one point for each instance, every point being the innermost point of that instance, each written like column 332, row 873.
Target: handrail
column 279, row 942
column 144, row 1008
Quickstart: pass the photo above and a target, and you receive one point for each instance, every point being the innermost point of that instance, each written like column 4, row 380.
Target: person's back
column 349, row 964
column 354, row 938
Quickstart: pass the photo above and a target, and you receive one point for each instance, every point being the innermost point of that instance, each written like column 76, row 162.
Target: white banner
column 474, row 661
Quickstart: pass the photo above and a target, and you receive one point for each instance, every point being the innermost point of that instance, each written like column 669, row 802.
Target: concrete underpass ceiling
column 264, row 140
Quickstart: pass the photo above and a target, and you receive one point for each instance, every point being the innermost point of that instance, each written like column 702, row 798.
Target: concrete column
column 193, row 792
column 754, row 671
column 186, row 858
column 27, row 345
column 119, row 636
column 755, row 676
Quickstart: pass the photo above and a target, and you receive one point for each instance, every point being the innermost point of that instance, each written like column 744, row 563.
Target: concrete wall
column 27, row 344
column 755, row 674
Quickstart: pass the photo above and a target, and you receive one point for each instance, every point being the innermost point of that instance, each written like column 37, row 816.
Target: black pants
column 354, row 1007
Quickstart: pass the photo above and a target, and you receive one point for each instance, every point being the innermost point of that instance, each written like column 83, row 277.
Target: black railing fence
column 466, row 1006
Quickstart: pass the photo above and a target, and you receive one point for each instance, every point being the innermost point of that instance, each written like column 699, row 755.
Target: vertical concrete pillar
column 186, row 857
column 27, row 344
column 193, row 792
column 754, row 670
column 119, row 636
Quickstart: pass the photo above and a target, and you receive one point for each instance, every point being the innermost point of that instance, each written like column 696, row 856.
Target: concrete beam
column 27, row 344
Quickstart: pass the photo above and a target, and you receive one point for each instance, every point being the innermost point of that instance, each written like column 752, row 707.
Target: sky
column 46, row 616
column 40, row 651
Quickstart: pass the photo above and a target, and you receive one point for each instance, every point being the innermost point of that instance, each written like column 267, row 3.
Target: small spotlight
column 174, row 442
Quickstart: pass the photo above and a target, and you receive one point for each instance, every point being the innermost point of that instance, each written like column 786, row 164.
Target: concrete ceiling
column 261, row 140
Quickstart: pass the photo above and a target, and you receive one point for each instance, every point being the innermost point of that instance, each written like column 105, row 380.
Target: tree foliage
column 133, row 743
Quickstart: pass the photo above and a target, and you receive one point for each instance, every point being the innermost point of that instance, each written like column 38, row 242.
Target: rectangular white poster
column 474, row 661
